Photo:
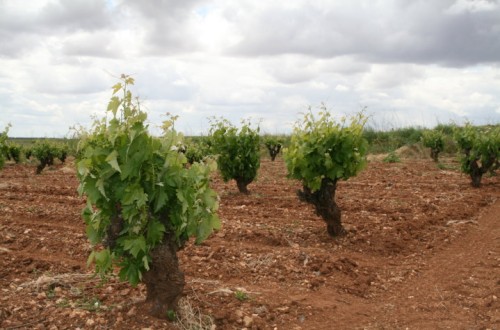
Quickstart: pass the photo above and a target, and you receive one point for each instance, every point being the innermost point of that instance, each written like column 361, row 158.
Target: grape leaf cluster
column 139, row 190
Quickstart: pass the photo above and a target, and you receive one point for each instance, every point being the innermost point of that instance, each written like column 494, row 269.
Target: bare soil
column 422, row 252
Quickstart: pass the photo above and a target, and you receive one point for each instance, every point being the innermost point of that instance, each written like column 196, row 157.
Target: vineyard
column 141, row 231
column 421, row 250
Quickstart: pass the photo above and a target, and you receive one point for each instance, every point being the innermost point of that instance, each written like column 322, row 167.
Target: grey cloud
column 417, row 32
column 292, row 69
column 166, row 24
column 23, row 29
column 94, row 44
column 14, row 47
column 55, row 16
column 74, row 15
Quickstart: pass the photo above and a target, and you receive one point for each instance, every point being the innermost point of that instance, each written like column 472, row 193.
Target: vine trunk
column 324, row 203
column 164, row 280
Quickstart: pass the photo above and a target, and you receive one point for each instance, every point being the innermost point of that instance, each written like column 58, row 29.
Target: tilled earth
column 422, row 252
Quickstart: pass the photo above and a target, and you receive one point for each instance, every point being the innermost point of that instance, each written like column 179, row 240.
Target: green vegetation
column 433, row 139
column 3, row 145
column 143, row 203
column 480, row 148
column 237, row 151
column 241, row 295
column 45, row 152
column 392, row 157
column 273, row 145
column 321, row 152
column 387, row 141
column 195, row 150
column 14, row 152
column 62, row 152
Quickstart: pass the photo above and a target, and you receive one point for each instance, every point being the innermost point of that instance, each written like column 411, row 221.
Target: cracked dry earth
column 422, row 252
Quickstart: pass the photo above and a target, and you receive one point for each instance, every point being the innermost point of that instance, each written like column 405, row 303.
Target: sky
column 407, row 62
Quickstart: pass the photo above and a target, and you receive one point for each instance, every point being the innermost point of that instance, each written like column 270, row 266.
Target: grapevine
column 321, row 152
column 143, row 203
column 237, row 150
column 480, row 151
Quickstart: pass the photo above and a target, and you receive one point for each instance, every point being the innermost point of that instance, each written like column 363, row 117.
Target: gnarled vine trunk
column 324, row 203
column 164, row 280
column 242, row 185
column 476, row 169
column 274, row 151
column 434, row 154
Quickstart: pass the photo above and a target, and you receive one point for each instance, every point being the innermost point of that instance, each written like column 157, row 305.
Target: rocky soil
column 422, row 252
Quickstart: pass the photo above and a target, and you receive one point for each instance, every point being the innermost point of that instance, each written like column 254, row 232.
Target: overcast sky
column 409, row 62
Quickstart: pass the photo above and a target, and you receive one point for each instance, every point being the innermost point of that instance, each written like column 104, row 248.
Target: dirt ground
column 422, row 252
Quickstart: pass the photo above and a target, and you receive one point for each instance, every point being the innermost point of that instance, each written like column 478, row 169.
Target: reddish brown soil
column 422, row 252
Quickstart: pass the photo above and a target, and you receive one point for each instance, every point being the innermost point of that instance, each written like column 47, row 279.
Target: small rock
column 247, row 321
column 132, row 311
column 73, row 314
column 125, row 292
column 90, row 322
column 283, row 309
column 261, row 310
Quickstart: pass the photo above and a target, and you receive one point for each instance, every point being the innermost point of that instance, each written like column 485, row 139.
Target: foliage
column 392, row 157
column 14, row 152
column 195, row 151
column 321, row 152
column 28, row 152
column 3, row 145
column 386, row 141
column 62, row 151
column 446, row 129
column 139, row 191
column 433, row 139
column 480, row 150
column 241, row 295
column 237, row 151
column 322, row 148
column 45, row 152
column 273, row 145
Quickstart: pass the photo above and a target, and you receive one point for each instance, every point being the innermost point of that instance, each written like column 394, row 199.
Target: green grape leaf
column 155, row 231
column 130, row 272
column 117, row 87
column 135, row 245
column 113, row 105
column 112, row 160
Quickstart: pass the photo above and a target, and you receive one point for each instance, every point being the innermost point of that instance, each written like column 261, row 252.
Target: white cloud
column 384, row 76
column 409, row 62
column 341, row 88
